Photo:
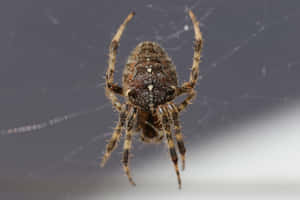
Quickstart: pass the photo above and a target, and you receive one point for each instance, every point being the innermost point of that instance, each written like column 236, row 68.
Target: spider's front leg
column 188, row 87
column 110, row 87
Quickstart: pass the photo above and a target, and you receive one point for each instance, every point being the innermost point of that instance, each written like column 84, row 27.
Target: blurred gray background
column 241, row 132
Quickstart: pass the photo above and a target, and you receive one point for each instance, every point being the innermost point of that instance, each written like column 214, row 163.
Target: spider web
column 226, row 93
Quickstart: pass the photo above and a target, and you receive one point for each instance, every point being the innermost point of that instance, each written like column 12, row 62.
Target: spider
column 149, row 87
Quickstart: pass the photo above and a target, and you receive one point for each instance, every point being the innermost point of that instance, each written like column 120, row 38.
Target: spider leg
column 113, row 142
column 127, row 143
column 188, row 87
column 188, row 100
column 177, row 131
column 197, row 51
column 111, row 88
column 163, row 113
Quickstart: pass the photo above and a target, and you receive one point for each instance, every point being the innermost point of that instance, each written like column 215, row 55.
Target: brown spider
column 149, row 87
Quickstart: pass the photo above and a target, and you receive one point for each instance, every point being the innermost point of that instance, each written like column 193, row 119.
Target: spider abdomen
column 149, row 76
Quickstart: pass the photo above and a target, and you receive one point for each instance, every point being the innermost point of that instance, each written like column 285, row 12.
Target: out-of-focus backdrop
column 242, row 132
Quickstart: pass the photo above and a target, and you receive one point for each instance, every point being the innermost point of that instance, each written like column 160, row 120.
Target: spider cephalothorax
column 149, row 87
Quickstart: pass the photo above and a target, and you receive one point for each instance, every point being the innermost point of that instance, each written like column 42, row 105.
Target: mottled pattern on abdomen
column 149, row 53
column 150, row 74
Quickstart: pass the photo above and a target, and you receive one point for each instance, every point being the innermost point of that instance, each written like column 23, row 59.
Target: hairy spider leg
column 163, row 113
column 188, row 87
column 127, row 143
column 114, row 140
column 110, row 87
column 188, row 100
column 177, row 131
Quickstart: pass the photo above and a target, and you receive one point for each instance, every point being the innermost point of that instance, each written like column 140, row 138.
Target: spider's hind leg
column 113, row 142
column 165, row 119
column 127, row 143
column 177, row 131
